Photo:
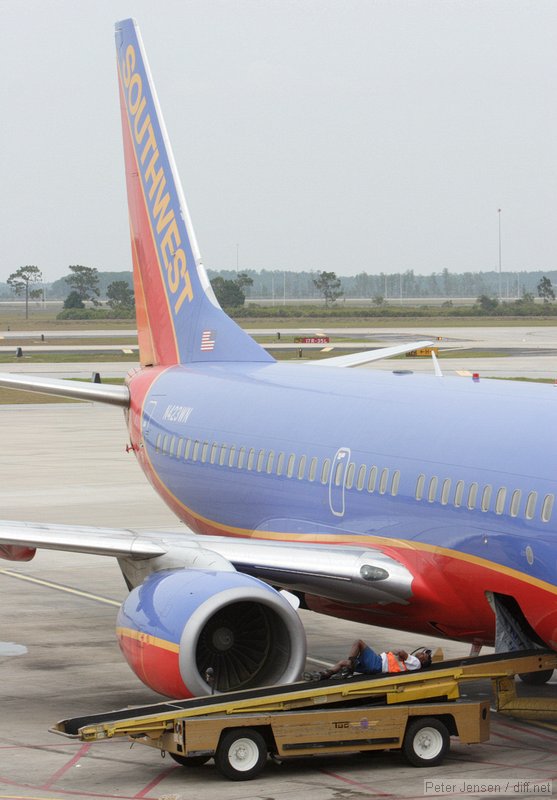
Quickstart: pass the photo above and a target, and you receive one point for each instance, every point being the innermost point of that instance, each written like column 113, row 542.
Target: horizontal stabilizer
column 77, row 390
column 357, row 359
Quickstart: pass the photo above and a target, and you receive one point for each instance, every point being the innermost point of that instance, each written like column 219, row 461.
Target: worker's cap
column 427, row 653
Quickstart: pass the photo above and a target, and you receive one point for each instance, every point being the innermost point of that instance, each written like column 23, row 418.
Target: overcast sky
column 345, row 135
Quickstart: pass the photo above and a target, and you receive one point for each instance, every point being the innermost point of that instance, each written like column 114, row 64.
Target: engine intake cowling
column 180, row 622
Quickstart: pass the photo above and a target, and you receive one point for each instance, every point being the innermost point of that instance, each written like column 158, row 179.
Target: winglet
column 179, row 319
column 367, row 356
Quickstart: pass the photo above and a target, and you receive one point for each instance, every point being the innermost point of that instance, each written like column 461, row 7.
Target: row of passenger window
column 289, row 465
column 360, row 478
column 471, row 498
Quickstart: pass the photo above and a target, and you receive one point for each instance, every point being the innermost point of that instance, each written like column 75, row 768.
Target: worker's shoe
column 317, row 676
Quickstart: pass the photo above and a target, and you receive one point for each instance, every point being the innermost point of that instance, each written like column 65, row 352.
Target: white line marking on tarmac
column 60, row 587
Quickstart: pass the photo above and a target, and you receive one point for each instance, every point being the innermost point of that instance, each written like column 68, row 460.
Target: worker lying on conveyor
column 363, row 659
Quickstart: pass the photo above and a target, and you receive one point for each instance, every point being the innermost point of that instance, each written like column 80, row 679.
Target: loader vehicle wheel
column 536, row 678
column 241, row 754
column 426, row 742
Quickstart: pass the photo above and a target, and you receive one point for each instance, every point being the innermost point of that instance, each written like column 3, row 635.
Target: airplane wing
column 343, row 573
column 367, row 356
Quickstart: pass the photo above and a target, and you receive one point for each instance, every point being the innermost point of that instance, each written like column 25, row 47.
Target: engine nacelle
column 180, row 622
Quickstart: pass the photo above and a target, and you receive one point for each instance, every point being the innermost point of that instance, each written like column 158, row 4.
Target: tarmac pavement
column 59, row 656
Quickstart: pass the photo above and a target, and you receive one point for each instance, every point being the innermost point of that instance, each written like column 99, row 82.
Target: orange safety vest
column 394, row 664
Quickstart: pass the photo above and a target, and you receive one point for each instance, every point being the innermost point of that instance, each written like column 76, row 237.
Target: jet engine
column 178, row 623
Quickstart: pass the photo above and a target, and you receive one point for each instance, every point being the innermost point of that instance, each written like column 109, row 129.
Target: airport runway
column 527, row 352
column 59, row 656
column 539, row 336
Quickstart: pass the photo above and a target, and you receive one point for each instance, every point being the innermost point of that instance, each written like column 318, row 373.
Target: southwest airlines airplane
column 413, row 502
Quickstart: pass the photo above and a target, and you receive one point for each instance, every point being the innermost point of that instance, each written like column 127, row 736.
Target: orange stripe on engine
column 147, row 639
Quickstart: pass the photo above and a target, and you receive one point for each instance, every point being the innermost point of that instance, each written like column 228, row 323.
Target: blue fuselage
column 290, row 451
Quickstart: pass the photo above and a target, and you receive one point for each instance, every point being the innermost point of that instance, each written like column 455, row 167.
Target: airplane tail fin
column 178, row 317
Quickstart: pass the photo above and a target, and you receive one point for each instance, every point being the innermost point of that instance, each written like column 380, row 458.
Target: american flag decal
column 207, row 341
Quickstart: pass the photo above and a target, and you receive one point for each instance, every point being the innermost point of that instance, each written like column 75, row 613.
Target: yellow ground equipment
column 413, row 711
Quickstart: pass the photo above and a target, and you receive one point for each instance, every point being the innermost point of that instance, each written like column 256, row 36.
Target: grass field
column 317, row 323
column 41, row 320
column 67, row 358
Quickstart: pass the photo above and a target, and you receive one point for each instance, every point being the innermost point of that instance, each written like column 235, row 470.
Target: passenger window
column 241, row 457
column 302, row 468
column 472, row 496
column 515, row 502
column 445, row 491
column 383, row 481
column 231, row 456
column 251, row 458
column 420, row 484
column 312, row 469
column 179, row 448
column 458, row 494
column 222, row 457
column 361, row 482
column 500, row 500
column 486, row 497
column 395, row 482
column 270, row 461
column 372, row 479
column 531, row 505
column 280, row 463
column 432, row 491
column 172, row 446
column 187, row 451
column 290, row 465
column 260, row 460
column 213, row 456
column 326, row 470
column 204, row 452
column 547, row 507
column 165, row 444
column 158, row 443
column 350, row 475
column 195, row 452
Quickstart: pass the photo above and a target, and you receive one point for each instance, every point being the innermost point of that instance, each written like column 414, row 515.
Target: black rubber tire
column 241, row 754
column 189, row 761
column 536, row 678
column 426, row 742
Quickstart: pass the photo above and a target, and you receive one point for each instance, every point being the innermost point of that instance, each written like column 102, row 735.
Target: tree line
column 86, row 285
column 82, row 286
column 279, row 284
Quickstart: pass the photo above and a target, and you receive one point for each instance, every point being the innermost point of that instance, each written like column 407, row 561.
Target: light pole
column 499, row 218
